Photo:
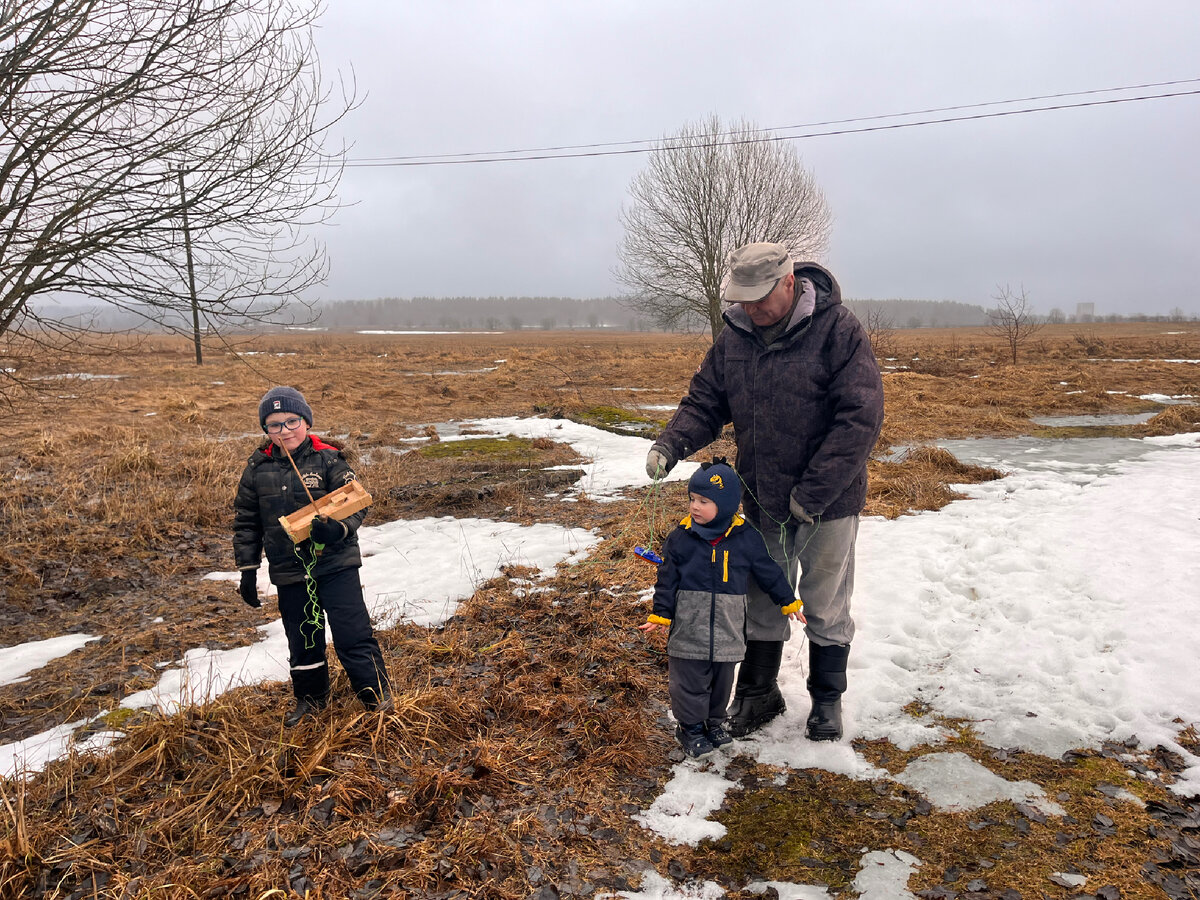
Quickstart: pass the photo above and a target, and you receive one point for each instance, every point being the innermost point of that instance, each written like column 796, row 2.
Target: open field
column 528, row 728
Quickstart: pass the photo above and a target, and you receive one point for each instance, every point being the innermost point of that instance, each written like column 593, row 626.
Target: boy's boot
column 756, row 698
column 826, row 683
column 377, row 700
column 311, row 687
column 717, row 735
column 693, row 739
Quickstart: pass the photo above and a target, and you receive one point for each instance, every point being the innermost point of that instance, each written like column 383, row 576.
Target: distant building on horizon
column 1085, row 312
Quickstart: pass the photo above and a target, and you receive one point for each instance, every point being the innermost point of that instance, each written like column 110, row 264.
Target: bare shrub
column 1090, row 342
column 1013, row 319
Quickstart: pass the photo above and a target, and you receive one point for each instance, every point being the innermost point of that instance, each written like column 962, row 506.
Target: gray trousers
column 824, row 555
column 700, row 689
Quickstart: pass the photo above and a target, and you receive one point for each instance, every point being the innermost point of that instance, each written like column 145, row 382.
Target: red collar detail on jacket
column 317, row 443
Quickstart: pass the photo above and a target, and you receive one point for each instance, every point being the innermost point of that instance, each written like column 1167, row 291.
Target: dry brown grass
column 516, row 730
column 117, row 499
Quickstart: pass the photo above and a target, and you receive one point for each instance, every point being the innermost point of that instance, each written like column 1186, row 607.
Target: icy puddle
column 1096, row 421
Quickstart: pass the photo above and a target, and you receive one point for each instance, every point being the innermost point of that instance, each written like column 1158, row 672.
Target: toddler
column 700, row 596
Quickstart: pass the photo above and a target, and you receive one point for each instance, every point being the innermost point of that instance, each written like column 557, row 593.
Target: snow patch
column 956, row 783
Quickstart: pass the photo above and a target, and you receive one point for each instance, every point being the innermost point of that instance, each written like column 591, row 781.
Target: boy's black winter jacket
column 269, row 489
column 701, row 589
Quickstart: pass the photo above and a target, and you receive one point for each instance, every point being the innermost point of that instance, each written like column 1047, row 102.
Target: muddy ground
column 116, row 501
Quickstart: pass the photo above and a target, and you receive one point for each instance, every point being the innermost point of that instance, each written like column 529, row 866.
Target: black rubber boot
column 756, row 698
column 305, row 706
column 377, row 702
column 311, row 687
column 826, row 684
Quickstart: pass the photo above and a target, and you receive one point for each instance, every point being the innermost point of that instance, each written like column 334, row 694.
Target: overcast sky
column 1094, row 204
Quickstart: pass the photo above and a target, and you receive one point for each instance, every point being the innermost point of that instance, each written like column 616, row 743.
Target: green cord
column 313, row 614
column 782, row 540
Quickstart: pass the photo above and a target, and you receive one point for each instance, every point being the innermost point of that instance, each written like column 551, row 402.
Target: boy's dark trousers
column 699, row 689
column 341, row 598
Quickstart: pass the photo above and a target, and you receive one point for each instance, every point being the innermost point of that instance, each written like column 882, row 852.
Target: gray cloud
column 1091, row 204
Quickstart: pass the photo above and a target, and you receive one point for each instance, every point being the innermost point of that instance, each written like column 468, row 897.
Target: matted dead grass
column 528, row 729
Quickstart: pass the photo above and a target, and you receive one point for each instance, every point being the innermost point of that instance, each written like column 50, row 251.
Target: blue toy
column 649, row 555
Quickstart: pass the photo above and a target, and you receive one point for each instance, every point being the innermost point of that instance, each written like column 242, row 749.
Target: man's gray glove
column 659, row 462
column 799, row 513
column 249, row 588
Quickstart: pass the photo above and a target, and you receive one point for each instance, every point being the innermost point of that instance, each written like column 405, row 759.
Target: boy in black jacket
column 313, row 583
column 701, row 596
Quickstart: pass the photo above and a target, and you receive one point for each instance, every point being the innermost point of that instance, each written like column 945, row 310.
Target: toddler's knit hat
column 283, row 399
column 719, row 483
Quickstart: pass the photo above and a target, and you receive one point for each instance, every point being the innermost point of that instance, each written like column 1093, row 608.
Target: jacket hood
column 686, row 522
column 829, row 294
column 267, row 449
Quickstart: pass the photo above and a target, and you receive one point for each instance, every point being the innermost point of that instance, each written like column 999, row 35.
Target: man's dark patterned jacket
column 806, row 410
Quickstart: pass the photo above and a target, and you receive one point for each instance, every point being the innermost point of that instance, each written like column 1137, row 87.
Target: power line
column 917, row 112
column 622, row 148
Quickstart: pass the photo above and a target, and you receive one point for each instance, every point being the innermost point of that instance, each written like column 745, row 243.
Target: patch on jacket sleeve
column 348, row 476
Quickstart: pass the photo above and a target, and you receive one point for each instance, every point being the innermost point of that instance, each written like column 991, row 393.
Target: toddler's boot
column 693, row 739
column 717, row 735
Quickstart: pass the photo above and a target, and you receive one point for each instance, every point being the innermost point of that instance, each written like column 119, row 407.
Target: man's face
column 773, row 307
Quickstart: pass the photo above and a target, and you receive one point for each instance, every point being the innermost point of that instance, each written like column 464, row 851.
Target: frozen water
column 1096, row 421
column 1059, row 454
column 956, row 783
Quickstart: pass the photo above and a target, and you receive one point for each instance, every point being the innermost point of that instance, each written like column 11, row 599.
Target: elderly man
column 795, row 374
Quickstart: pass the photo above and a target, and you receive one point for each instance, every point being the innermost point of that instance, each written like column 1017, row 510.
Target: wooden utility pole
column 187, row 247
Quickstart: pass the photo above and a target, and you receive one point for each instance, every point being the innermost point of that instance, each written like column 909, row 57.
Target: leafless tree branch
column 705, row 192
column 103, row 102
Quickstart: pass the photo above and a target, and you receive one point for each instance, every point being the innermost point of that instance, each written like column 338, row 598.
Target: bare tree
column 881, row 331
column 1013, row 319
column 707, row 190
column 128, row 124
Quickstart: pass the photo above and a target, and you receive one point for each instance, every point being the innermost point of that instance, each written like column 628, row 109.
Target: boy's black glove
column 249, row 588
column 325, row 530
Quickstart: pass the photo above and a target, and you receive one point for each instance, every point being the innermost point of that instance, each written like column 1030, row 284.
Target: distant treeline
column 546, row 313
column 920, row 313
column 557, row 313
column 479, row 314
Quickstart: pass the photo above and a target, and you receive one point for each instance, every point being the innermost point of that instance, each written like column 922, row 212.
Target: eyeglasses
column 290, row 424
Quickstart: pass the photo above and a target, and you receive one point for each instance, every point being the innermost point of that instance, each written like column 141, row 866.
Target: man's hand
column 799, row 513
column 659, row 462
column 249, row 588
column 326, row 531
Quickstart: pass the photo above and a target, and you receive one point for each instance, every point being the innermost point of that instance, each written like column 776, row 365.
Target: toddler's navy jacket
column 701, row 590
